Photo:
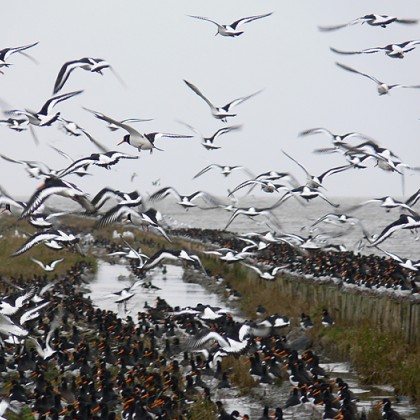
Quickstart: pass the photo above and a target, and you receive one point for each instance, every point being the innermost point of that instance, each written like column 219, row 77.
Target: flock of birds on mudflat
column 20, row 321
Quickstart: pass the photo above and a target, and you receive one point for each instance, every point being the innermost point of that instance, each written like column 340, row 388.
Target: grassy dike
column 380, row 357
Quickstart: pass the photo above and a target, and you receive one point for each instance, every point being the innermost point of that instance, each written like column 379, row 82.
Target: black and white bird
column 371, row 19
column 382, row 87
column 208, row 142
column 407, row 263
column 405, row 221
column 232, row 30
column 5, row 53
column 133, row 138
column 307, row 193
column 226, row 170
column 391, row 50
column 224, row 112
column 316, row 181
column 185, row 201
column 53, row 237
column 266, row 274
column 326, row 319
column 125, row 207
column 337, row 139
column 104, row 160
column 106, row 194
column 57, row 186
column 253, row 211
column 47, row 267
column 167, row 254
column 34, row 169
column 94, row 65
column 45, row 116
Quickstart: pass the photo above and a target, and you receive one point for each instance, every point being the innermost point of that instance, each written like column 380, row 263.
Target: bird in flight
column 382, row 87
column 372, row 19
column 220, row 113
column 232, row 30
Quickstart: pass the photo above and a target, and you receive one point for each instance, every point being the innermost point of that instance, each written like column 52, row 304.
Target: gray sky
column 153, row 46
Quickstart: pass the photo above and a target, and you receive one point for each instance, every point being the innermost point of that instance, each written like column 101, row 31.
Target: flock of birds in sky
column 358, row 151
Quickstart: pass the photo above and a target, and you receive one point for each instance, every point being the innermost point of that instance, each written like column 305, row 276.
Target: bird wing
column 110, row 120
column 244, row 20
column 343, row 66
column 164, row 192
column 196, row 91
column 56, row 99
column 36, row 239
column 206, row 169
column 208, row 20
column 65, row 72
column 240, row 100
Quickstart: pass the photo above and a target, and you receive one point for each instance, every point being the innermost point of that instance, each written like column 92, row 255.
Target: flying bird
column 391, row 50
column 232, row 30
column 208, row 142
column 382, row 87
column 133, row 138
column 47, row 267
column 45, row 116
column 51, row 186
column 94, row 65
column 56, row 238
column 104, row 160
column 371, row 19
column 226, row 170
column 5, row 53
column 220, row 113
column 185, row 201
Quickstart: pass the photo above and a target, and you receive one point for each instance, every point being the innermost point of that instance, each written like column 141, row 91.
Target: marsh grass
column 202, row 409
column 377, row 356
column 239, row 373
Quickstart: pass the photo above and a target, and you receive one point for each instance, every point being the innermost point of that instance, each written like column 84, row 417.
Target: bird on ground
column 388, row 413
column 232, row 30
column 45, row 116
column 383, row 88
column 208, row 142
column 47, row 267
column 371, row 19
column 326, row 319
column 220, row 113
column 391, row 50
column 94, row 65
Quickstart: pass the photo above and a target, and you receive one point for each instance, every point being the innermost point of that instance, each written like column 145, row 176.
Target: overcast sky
column 153, row 46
